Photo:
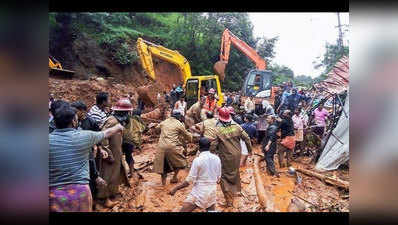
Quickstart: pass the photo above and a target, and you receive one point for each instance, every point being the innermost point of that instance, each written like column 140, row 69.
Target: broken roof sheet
column 337, row 78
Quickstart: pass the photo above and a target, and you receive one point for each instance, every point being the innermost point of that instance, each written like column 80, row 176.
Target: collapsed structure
column 335, row 147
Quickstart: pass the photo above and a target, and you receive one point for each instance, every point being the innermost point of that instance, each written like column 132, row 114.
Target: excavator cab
column 191, row 91
column 198, row 86
column 258, row 81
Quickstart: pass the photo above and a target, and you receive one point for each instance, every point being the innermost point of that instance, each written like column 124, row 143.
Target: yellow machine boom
column 146, row 49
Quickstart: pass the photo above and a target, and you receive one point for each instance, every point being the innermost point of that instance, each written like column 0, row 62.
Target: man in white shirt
column 249, row 105
column 205, row 174
column 181, row 105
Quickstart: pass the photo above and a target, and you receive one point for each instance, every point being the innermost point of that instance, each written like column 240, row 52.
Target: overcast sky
column 302, row 36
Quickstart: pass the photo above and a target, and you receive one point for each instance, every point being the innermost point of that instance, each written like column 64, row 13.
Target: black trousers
column 127, row 149
column 260, row 136
column 319, row 131
column 93, row 176
column 269, row 158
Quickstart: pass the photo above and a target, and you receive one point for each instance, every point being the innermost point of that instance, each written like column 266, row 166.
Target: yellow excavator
column 195, row 86
column 55, row 68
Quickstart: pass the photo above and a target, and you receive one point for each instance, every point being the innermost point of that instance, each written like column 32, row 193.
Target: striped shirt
column 98, row 115
column 69, row 155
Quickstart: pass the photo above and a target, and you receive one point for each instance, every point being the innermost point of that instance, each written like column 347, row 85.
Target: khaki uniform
column 132, row 133
column 227, row 147
column 209, row 128
column 112, row 172
column 170, row 146
column 195, row 114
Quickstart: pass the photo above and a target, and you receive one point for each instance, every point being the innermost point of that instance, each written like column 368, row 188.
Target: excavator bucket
column 219, row 69
column 61, row 72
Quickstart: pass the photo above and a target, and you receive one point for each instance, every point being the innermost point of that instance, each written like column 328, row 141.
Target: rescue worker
column 111, row 169
column 227, row 146
column 208, row 127
column 169, row 156
column 195, row 114
column 132, row 137
column 211, row 101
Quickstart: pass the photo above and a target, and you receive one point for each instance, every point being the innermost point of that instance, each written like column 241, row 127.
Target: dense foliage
column 197, row 36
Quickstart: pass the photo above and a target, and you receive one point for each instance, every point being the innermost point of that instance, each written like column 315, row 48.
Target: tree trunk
column 334, row 181
column 264, row 197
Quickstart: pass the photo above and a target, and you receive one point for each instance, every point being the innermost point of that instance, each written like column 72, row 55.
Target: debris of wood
column 146, row 164
column 315, row 205
column 331, row 180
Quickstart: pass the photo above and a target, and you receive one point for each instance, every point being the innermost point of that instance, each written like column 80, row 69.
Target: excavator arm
column 227, row 38
column 146, row 49
column 193, row 84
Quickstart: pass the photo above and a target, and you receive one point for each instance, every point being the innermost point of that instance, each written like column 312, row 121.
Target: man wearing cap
column 196, row 114
column 211, row 101
column 227, row 146
column 205, row 174
column 111, row 169
column 169, row 156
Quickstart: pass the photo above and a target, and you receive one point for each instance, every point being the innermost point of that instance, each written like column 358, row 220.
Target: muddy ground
column 148, row 195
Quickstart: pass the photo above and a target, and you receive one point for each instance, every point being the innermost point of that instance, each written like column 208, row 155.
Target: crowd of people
column 91, row 151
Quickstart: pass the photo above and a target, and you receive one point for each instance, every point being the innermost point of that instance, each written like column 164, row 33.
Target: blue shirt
column 179, row 89
column 69, row 154
column 293, row 100
column 285, row 94
column 250, row 129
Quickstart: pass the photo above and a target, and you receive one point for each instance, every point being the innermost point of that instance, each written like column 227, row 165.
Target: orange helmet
column 224, row 114
column 123, row 104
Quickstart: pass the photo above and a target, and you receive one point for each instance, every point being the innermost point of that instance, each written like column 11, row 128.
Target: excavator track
column 61, row 72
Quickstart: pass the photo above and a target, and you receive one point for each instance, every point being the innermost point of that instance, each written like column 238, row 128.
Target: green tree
column 332, row 54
